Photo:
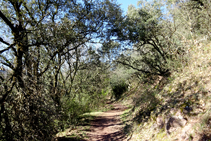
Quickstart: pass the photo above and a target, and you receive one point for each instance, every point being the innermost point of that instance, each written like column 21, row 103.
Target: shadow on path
column 104, row 127
column 108, row 126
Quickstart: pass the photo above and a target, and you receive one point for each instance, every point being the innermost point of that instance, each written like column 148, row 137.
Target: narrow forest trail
column 104, row 126
column 108, row 126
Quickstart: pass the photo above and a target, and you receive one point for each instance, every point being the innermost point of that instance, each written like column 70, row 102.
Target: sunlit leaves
column 53, row 61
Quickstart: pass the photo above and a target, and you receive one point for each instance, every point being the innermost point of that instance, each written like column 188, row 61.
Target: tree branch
column 4, row 18
column 123, row 63
column 7, row 62
column 1, row 40
column 10, row 46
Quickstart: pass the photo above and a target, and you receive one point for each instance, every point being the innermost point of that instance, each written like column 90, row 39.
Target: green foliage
column 152, row 42
column 191, row 17
column 105, row 92
column 55, row 73
column 72, row 109
column 118, row 89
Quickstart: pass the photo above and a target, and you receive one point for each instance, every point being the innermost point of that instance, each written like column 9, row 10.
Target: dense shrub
column 118, row 89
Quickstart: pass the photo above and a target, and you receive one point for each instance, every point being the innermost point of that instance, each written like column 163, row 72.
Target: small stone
column 174, row 122
column 160, row 122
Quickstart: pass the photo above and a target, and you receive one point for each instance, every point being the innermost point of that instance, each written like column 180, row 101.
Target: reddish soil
column 108, row 126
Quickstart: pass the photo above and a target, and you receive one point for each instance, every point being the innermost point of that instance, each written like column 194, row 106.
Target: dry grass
column 191, row 87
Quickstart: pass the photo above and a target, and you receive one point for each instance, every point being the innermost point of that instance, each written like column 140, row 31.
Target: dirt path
column 108, row 126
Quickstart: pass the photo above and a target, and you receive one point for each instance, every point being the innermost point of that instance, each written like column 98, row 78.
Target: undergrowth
column 186, row 91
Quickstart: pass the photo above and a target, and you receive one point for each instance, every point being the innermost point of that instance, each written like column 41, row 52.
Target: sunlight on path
column 107, row 126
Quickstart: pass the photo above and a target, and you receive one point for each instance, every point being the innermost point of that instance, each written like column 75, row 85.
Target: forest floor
column 103, row 126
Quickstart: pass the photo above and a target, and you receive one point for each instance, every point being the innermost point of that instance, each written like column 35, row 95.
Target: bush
column 118, row 89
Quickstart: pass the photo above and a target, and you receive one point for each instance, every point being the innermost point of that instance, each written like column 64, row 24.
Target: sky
column 126, row 3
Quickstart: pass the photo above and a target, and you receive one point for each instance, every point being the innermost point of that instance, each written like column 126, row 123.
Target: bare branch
column 1, row 40
column 7, row 62
column 5, row 19
column 126, row 64
column 10, row 46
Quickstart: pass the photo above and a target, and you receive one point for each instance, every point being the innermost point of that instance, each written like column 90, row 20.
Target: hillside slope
column 173, row 108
